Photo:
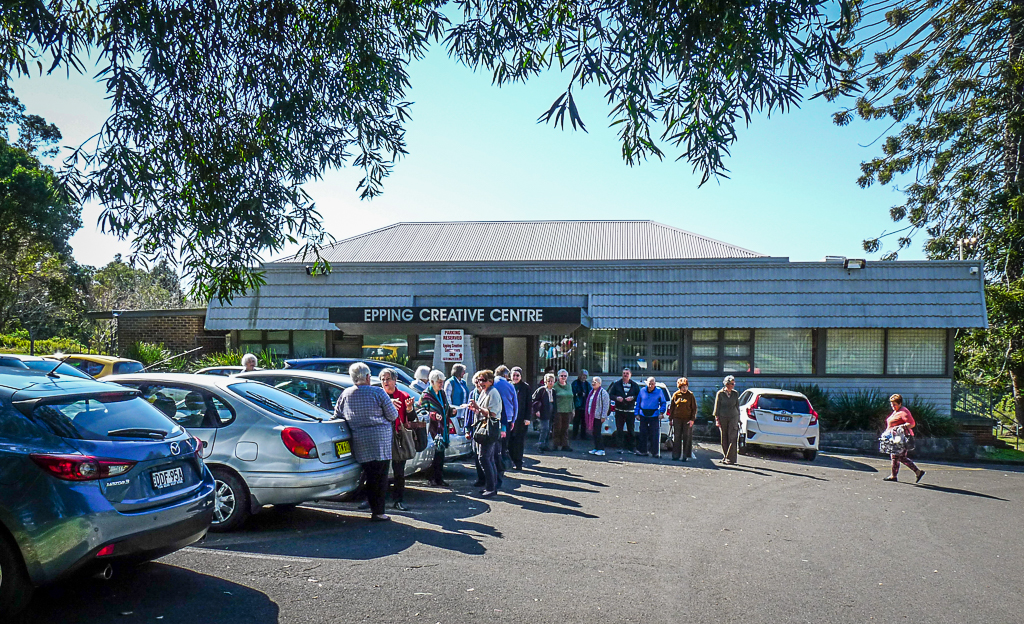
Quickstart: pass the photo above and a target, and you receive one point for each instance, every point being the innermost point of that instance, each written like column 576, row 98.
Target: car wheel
column 230, row 501
column 15, row 588
column 810, row 455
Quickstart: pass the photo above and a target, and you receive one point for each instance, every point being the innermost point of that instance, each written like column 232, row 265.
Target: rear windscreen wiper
column 137, row 432
column 277, row 407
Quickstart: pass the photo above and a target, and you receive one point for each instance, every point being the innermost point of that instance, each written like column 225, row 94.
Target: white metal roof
column 517, row 241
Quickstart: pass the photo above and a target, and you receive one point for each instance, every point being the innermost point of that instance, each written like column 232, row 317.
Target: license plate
column 167, row 478
column 784, row 418
column 343, row 448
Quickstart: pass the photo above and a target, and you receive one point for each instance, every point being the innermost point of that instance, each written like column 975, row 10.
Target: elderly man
column 580, row 390
column 623, row 395
column 509, row 413
column 727, row 418
column 248, row 363
column 370, row 415
column 650, row 405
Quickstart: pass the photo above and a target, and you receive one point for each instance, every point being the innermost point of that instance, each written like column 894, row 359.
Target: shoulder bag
column 487, row 431
column 403, row 444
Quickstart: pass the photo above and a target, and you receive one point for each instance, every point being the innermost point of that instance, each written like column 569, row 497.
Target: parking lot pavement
column 575, row 538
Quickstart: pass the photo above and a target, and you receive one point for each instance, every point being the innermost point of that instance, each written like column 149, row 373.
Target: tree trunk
column 1014, row 185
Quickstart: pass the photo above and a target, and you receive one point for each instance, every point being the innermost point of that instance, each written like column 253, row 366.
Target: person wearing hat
column 580, row 390
column 682, row 410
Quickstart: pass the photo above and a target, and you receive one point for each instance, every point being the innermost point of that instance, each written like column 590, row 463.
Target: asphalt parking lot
column 575, row 538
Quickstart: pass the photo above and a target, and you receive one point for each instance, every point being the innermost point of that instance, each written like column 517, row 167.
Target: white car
column 778, row 419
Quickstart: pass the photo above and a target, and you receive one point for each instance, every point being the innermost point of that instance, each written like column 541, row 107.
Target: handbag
column 487, row 431
column 403, row 444
column 422, row 439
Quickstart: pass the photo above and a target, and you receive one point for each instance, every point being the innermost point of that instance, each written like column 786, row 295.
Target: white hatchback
column 778, row 419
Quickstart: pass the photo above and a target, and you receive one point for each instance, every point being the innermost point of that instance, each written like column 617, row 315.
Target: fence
column 973, row 405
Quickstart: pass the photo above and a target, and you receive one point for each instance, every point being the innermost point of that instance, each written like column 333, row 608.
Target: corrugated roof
column 526, row 241
column 754, row 293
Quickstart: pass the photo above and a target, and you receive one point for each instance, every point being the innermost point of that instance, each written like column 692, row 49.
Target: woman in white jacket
column 595, row 408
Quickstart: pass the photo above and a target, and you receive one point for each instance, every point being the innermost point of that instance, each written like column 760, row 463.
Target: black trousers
column 376, row 473
column 598, row 434
column 437, row 467
column 398, row 490
column 516, row 444
column 579, row 424
column 625, row 420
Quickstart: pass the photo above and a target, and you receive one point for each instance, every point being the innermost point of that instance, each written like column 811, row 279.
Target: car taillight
column 753, row 406
column 299, row 443
column 81, row 467
column 451, row 430
column 814, row 416
column 106, row 551
column 197, row 446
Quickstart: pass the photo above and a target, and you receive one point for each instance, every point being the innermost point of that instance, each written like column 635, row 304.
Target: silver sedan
column 263, row 446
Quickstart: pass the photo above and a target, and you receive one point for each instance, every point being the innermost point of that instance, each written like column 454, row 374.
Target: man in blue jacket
column 650, row 405
column 509, row 410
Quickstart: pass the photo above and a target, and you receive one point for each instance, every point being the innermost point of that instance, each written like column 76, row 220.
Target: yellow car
column 100, row 365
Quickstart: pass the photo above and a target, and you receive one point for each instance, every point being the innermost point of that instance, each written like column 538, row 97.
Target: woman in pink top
column 901, row 416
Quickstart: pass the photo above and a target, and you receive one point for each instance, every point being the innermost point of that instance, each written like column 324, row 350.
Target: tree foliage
column 222, row 111
column 949, row 77
column 119, row 286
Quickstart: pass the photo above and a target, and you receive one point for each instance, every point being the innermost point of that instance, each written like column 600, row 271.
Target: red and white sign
column 451, row 345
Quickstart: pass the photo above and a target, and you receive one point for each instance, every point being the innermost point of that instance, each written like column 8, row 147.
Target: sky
column 476, row 152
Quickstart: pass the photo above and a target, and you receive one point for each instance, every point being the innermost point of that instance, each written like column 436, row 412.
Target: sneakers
column 639, row 454
column 919, row 475
column 889, row 478
column 599, row 453
column 592, row 452
column 400, row 506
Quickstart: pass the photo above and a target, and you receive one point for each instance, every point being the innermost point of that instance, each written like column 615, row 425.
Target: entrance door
column 492, row 352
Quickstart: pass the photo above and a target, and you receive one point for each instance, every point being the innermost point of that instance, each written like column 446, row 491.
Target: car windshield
column 126, row 368
column 793, row 405
column 110, row 416
column 278, row 402
column 63, row 369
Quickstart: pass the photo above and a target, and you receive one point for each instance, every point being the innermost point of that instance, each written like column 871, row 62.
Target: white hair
column 360, row 373
column 595, row 380
column 391, row 373
column 562, row 370
column 248, row 358
column 727, row 379
column 650, row 379
column 436, row 375
column 550, row 376
column 423, row 373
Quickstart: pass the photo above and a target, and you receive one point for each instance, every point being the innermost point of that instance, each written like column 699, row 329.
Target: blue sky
column 476, row 152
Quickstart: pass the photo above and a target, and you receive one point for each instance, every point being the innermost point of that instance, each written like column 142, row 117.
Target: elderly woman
column 543, row 407
column 435, row 402
column 650, row 405
column 682, row 410
column 422, row 379
column 370, row 415
column 564, row 411
column 248, row 362
column 487, row 407
column 595, row 408
column 403, row 405
column 727, row 418
column 901, row 417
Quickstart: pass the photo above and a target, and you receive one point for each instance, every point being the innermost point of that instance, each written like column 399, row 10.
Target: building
column 602, row 295
column 178, row 329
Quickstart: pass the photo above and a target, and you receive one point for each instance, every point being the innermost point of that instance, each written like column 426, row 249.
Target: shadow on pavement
column 555, row 486
column 151, row 591
column 336, row 530
column 791, row 474
column 561, row 474
column 949, row 490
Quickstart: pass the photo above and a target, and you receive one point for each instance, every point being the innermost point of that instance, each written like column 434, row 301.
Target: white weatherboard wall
column 937, row 391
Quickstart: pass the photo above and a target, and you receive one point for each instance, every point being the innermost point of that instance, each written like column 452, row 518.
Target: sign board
column 451, row 345
column 525, row 315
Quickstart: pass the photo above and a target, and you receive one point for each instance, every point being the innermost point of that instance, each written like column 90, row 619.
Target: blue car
column 340, row 365
column 90, row 475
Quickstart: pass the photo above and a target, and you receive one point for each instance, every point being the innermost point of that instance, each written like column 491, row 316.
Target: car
column 264, row 446
column 223, row 371
column 608, row 427
column 93, row 476
column 323, row 389
column 778, row 419
column 100, row 365
column 340, row 365
column 36, row 362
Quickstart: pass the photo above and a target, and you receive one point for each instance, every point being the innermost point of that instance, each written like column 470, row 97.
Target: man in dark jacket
column 517, row 439
column 623, row 394
column 580, row 390
column 682, row 410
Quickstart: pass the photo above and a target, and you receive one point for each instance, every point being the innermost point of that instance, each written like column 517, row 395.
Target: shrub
column 150, row 354
column 820, row 399
column 19, row 343
column 929, row 421
column 863, row 410
column 264, row 359
column 706, row 408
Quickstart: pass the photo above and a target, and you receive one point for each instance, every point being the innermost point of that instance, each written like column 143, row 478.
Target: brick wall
column 176, row 333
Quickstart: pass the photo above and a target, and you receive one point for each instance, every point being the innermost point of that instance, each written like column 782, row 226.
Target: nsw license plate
column 784, row 418
column 167, row 478
column 343, row 448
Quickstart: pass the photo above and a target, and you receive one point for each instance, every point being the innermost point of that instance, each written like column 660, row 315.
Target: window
column 387, row 348
column 633, row 350
column 100, row 418
column 256, row 341
column 599, row 348
column 125, row 368
column 279, row 402
column 715, row 350
column 665, row 345
column 87, row 367
column 306, row 389
column 783, row 352
column 916, row 352
column 557, row 352
column 854, row 351
column 192, row 408
column 425, row 346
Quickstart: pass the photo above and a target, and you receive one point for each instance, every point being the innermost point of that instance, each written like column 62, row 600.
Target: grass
column 1006, row 454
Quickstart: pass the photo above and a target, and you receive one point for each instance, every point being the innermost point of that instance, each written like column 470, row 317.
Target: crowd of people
column 497, row 411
